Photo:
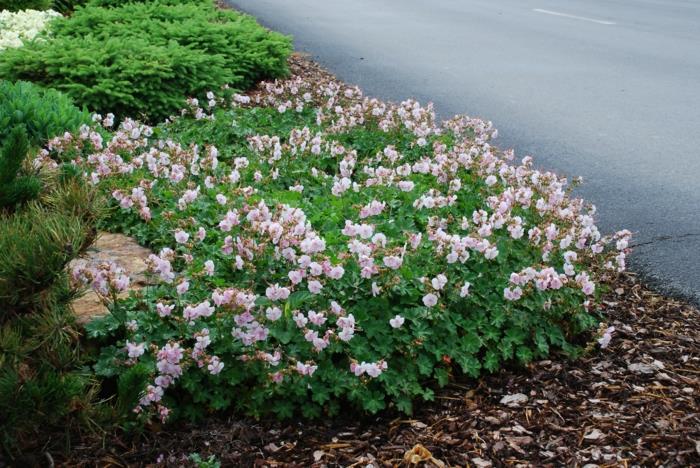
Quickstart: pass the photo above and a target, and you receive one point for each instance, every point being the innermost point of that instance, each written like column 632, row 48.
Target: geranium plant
column 315, row 248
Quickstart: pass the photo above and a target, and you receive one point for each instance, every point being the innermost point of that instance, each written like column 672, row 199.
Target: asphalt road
column 605, row 89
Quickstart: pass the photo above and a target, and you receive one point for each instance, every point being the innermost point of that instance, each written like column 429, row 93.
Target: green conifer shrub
column 37, row 242
column 45, row 113
column 143, row 59
column 16, row 188
column 17, row 5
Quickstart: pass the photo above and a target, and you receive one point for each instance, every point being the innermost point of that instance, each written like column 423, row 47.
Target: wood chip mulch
column 632, row 404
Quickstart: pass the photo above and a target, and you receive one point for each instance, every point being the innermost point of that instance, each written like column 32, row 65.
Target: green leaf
column 470, row 365
column 442, row 376
column 296, row 299
column 425, row 364
column 524, row 354
column 491, row 361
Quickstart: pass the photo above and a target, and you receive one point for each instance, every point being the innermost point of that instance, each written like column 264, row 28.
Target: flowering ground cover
column 404, row 287
column 632, row 402
column 318, row 249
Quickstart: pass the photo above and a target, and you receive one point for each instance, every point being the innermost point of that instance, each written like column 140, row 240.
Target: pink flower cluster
column 289, row 256
column 105, row 278
column 372, row 369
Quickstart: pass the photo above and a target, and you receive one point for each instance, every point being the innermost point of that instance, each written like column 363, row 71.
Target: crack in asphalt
column 665, row 238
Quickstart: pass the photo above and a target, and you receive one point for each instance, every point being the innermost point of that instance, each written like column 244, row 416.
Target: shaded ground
column 634, row 403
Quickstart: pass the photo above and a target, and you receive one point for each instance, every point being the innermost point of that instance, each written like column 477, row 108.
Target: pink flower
column 392, row 261
column 604, row 340
column 209, row 268
column 181, row 236
column 346, row 334
column 300, row 320
column 491, row 253
column 464, row 291
column 306, row 369
column 397, row 321
column 134, row 350
column 275, row 292
column 164, row 310
column 430, row 300
column 569, row 269
column 406, row 185
column 439, row 282
column 373, row 369
column 273, row 313
column 215, row 365
column 512, row 294
column 203, row 309
column 336, row 272
column 315, row 286
column 295, row 276
column 316, row 318
column 277, row 377
column 183, row 287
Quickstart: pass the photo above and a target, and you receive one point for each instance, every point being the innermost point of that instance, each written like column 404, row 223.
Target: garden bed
column 634, row 403
column 325, row 264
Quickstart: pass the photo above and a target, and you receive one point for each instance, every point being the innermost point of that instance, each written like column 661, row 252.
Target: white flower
column 430, row 300
column 15, row 28
column 397, row 321
column 181, row 236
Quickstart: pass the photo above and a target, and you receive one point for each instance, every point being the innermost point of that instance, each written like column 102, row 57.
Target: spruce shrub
column 16, row 188
column 143, row 59
column 17, row 5
column 45, row 113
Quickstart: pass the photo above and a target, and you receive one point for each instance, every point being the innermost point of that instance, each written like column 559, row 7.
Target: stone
column 126, row 253
column 514, row 400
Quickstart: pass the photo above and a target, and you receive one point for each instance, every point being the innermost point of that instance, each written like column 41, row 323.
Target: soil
column 634, row 403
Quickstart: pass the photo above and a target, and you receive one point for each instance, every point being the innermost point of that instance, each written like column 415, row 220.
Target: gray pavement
column 605, row 89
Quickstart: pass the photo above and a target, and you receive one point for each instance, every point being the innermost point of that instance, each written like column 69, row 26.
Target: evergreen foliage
column 16, row 188
column 45, row 113
column 143, row 59
column 17, row 5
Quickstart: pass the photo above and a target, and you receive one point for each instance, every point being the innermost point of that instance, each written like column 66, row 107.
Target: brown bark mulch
column 632, row 404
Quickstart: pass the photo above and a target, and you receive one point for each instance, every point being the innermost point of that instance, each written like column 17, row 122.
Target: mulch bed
column 632, row 404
